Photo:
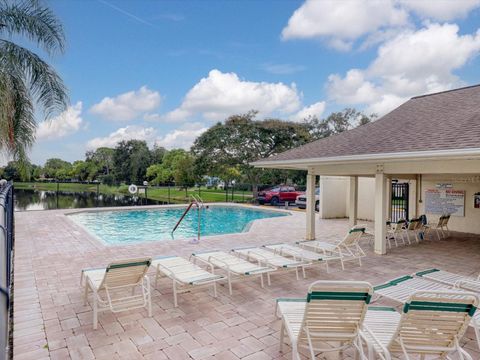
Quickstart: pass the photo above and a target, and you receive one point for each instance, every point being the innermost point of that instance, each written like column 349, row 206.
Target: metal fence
column 6, row 252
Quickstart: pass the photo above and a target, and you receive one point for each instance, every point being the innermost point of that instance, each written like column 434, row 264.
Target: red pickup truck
column 277, row 195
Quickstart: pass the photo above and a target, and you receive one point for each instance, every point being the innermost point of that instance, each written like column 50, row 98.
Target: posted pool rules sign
column 445, row 201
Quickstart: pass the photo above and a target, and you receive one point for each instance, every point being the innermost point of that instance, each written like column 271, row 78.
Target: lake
column 30, row 199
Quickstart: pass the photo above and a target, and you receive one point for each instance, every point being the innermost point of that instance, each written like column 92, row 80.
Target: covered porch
column 429, row 142
column 458, row 172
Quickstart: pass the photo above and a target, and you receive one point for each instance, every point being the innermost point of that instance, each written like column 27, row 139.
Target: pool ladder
column 198, row 202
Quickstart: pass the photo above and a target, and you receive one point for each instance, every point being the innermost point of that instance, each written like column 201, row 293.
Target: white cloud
column 128, row 106
column 434, row 50
column 351, row 89
column 223, row 94
column 126, row 133
column 182, row 137
column 315, row 109
column 412, row 63
column 342, row 22
column 441, row 9
column 62, row 125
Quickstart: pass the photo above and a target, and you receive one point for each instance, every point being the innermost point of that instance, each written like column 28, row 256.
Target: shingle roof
column 441, row 121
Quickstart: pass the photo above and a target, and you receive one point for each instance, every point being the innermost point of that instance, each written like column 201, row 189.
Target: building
column 431, row 143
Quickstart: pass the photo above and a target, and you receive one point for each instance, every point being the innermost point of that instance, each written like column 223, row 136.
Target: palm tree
column 26, row 80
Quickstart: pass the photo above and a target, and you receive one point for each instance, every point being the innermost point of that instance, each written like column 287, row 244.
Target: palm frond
column 36, row 22
column 17, row 121
column 45, row 85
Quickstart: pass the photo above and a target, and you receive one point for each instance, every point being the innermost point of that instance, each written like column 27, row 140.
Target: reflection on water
column 42, row 200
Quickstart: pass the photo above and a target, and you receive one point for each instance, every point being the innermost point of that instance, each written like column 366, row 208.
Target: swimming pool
column 130, row 226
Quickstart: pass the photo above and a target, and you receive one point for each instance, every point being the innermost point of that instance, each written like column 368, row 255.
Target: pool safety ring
column 132, row 189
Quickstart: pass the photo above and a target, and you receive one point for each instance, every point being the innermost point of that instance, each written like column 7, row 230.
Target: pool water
column 130, row 226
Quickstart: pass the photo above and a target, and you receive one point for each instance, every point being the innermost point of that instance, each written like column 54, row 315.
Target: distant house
column 431, row 143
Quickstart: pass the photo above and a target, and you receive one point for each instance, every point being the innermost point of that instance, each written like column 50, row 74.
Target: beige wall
column 334, row 200
column 469, row 223
column 366, row 197
column 333, row 195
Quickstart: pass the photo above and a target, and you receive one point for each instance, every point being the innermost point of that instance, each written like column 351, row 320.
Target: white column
column 380, row 213
column 388, row 209
column 310, row 212
column 353, row 207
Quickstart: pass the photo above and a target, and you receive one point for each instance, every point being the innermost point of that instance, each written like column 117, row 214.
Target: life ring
column 132, row 189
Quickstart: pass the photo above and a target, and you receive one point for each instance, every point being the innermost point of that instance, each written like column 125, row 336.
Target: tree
column 337, row 122
column 184, row 171
column 102, row 159
column 241, row 140
column 11, row 172
column 83, row 170
column 56, row 168
column 157, row 154
column 177, row 166
column 130, row 161
column 26, row 79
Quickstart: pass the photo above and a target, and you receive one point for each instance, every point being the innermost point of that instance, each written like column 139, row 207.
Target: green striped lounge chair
column 301, row 254
column 400, row 289
column 328, row 319
column 347, row 249
column 121, row 286
column 451, row 279
column 234, row 266
column 264, row 257
column 432, row 323
column 185, row 275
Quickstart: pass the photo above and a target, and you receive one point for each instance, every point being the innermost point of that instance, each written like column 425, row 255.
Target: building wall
column 333, row 195
column 366, row 198
column 470, row 223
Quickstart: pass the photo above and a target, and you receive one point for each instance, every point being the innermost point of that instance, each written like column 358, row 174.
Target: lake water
column 30, row 199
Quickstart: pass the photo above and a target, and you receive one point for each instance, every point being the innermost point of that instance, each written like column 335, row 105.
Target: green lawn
column 154, row 193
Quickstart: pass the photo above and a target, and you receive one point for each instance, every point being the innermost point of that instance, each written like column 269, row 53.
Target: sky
column 164, row 71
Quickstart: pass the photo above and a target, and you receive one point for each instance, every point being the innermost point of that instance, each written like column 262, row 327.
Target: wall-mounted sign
column 445, row 201
column 444, row 186
column 476, row 201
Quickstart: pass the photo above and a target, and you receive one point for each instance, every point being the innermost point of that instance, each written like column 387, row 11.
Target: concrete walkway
column 51, row 321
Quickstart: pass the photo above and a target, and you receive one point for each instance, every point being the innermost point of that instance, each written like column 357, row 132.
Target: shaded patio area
column 51, row 321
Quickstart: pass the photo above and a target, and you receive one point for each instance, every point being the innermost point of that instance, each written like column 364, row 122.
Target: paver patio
column 51, row 321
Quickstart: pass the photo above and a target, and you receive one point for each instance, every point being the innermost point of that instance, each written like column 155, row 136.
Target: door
column 399, row 210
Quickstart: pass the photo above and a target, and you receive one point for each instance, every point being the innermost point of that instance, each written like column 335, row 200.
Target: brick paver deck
column 51, row 321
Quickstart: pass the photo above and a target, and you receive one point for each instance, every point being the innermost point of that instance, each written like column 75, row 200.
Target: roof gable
column 441, row 121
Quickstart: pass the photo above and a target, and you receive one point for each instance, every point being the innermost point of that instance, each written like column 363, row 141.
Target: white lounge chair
column 395, row 231
column 328, row 319
column 184, row 274
column 347, row 249
column 301, row 254
column 400, row 289
column 234, row 266
column 114, row 287
column 464, row 282
column 413, row 227
column 431, row 324
column 268, row 258
column 441, row 227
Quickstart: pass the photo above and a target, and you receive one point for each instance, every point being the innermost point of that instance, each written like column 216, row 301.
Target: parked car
column 301, row 200
column 277, row 195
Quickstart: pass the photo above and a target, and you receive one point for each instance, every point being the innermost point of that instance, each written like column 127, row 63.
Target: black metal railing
column 6, row 252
